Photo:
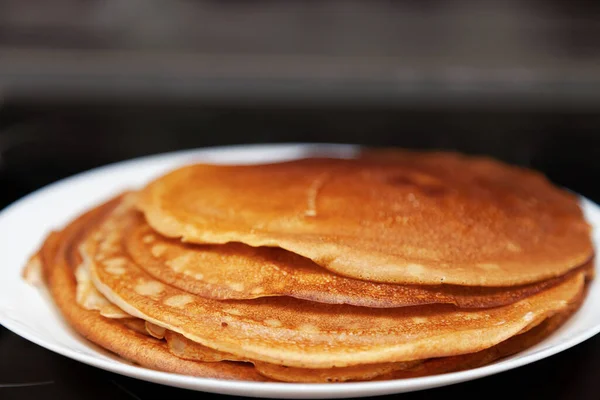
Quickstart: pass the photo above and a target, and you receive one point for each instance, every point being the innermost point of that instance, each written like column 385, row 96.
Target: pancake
column 529, row 336
column 236, row 271
column 418, row 218
column 189, row 350
column 120, row 336
column 298, row 333
column 89, row 298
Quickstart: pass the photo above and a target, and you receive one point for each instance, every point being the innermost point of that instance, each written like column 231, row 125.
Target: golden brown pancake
column 185, row 348
column 528, row 337
column 88, row 297
column 297, row 333
column 118, row 336
column 129, row 336
column 418, row 218
column 237, row 271
column 531, row 335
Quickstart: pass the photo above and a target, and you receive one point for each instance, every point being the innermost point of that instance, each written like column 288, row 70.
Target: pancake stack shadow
column 391, row 265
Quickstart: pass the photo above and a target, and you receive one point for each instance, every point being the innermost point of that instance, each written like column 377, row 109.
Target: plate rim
column 265, row 389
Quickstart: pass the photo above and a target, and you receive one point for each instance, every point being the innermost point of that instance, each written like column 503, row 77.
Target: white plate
column 30, row 313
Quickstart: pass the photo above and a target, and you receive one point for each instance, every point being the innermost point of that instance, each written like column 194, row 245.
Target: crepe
column 417, row 218
column 237, row 271
column 531, row 335
column 303, row 334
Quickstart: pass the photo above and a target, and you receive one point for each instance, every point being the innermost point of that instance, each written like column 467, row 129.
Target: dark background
column 85, row 83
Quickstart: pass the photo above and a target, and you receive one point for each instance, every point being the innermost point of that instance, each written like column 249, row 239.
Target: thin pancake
column 425, row 368
column 421, row 218
column 291, row 332
column 91, row 299
column 531, row 335
column 236, row 271
column 185, row 348
column 57, row 264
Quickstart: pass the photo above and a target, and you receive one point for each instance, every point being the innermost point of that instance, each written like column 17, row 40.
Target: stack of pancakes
column 391, row 265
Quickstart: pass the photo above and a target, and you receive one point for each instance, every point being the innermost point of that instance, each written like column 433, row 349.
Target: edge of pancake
column 276, row 272
column 346, row 259
column 111, row 334
column 529, row 337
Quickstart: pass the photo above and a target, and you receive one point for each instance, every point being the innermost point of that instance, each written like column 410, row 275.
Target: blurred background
column 88, row 82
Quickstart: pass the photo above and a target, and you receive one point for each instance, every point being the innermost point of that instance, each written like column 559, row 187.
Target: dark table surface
column 567, row 151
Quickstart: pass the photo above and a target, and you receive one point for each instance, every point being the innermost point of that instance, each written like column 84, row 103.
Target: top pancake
column 237, row 271
column 415, row 218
